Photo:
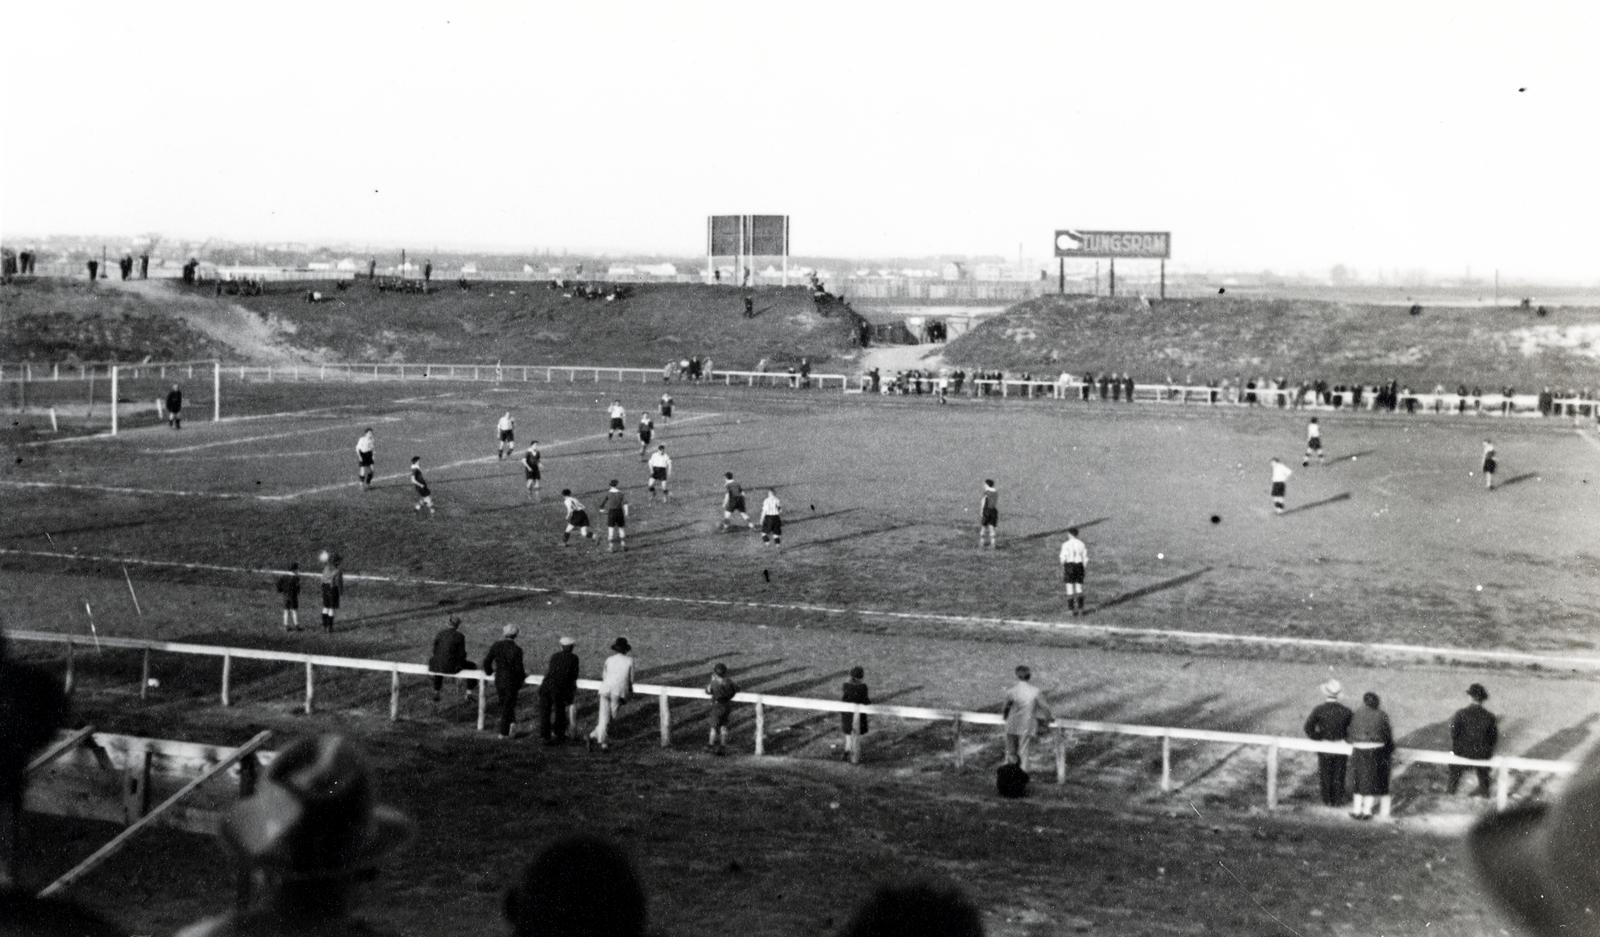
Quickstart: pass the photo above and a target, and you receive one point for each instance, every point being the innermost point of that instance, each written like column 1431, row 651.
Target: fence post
column 227, row 677
column 311, row 688
column 1061, row 756
column 144, row 674
column 761, row 728
column 1502, row 787
column 483, row 702
column 666, row 721
column 1166, row 762
column 961, row 758
column 855, row 736
column 1272, row 776
column 394, row 695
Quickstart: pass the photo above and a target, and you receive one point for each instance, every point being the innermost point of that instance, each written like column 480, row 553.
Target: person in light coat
column 616, row 686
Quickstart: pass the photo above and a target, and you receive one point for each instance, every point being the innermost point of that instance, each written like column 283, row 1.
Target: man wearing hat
column 1538, row 858
column 449, row 655
column 1330, row 722
column 616, row 685
column 504, row 664
column 1474, row 731
column 557, row 692
column 312, row 831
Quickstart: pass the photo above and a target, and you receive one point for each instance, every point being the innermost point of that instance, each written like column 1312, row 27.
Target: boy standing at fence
column 507, row 430
column 722, row 690
column 364, row 455
column 289, row 588
column 530, row 468
column 424, row 493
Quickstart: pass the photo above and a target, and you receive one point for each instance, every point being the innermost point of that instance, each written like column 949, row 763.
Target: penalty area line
column 1186, row 637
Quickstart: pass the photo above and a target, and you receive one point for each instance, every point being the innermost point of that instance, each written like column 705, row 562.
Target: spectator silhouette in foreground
column 32, row 707
column 578, row 886
column 313, row 833
column 915, row 909
column 1538, row 858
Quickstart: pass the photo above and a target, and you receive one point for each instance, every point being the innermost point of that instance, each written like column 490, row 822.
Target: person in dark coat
column 504, row 664
column 1474, row 732
column 557, row 692
column 1372, row 742
column 1330, row 722
column 854, row 691
column 175, row 407
column 449, row 655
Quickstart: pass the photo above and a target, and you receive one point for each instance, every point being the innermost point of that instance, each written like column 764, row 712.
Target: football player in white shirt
column 364, row 456
column 616, row 414
column 1313, row 444
column 660, row 471
column 1280, row 483
column 771, row 518
column 1074, row 565
column 506, row 428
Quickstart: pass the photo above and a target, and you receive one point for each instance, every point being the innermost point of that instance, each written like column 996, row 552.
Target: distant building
column 657, row 270
column 346, row 266
column 953, row 271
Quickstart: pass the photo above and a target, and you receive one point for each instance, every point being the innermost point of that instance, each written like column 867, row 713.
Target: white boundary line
column 236, row 442
column 1187, row 637
column 116, row 489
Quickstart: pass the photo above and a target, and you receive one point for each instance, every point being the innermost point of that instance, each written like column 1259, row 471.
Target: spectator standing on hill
column 615, row 507
column 666, row 406
column 647, row 429
column 420, row 485
column 449, row 655
column 660, row 471
column 1330, row 722
column 1280, row 484
column 1474, row 733
column 507, row 430
column 722, row 689
column 530, row 468
column 854, row 691
column 772, row 518
column 504, row 664
column 1489, row 465
column 988, row 513
column 289, row 587
column 1074, row 560
column 332, row 583
column 364, row 457
column 94, row 271
column 616, row 414
column 174, row 404
column 1026, row 714
column 733, row 502
column 557, row 693
column 314, row 832
column 577, row 517
column 579, row 886
column 616, row 687
column 1313, row 444
column 1372, row 749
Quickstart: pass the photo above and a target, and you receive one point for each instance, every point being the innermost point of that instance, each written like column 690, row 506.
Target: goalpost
column 152, row 380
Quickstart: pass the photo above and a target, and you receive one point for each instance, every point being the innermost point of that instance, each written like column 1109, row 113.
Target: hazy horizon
column 1433, row 137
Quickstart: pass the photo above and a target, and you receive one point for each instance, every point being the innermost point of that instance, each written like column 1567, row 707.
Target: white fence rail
column 571, row 374
column 958, row 720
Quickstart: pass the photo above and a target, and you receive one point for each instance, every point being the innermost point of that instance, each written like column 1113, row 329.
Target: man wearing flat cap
column 1538, row 859
column 557, row 692
column 1330, row 722
column 449, row 655
column 1474, row 732
column 313, row 832
column 504, row 664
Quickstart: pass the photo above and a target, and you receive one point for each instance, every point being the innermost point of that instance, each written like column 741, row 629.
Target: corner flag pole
column 216, row 391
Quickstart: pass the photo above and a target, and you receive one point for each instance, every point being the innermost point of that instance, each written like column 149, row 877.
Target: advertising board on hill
column 1080, row 243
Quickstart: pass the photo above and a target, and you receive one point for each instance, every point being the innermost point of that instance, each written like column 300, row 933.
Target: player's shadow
column 1143, row 591
column 1352, row 456
column 1050, row 534
column 1563, row 742
column 794, row 521
column 1335, row 499
column 702, row 455
column 810, row 728
column 853, row 535
column 1517, row 479
column 653, row 674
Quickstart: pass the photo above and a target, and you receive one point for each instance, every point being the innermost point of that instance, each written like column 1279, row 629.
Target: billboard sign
column 748, row 235
column 1079, row 243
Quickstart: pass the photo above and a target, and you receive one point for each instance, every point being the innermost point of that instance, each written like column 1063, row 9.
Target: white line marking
column 1188, row 637
column 283, row 435
column 1587, row 438
column 117, row 489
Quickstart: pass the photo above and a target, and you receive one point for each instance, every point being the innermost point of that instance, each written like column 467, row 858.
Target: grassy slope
column 1225, row 338
column 54, row 321
column 527, row 323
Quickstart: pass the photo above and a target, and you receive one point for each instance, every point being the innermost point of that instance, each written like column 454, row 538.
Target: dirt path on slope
column 252, row 338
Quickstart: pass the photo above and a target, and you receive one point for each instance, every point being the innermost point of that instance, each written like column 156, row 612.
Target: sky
column 1384, row 136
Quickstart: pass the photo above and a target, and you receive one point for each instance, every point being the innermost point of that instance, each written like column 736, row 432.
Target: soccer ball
column 322, row 557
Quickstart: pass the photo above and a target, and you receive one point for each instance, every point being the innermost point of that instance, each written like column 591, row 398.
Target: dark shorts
column 991, row 517
column 578, row 519
column 1278, row 489
column 666, row 409
column 1072, row 573
column 735, row 504
column 330, row 597
column 616, row 423
column 364, row 458
column 772, row 524
column 616, row 518
column 291, row 600
column 1315, row 442
column 507, row 435
column 644, row 436
column 1488, row 466
column 658, row 473
column 532, row 473
column 720, row 714
column 424, row 492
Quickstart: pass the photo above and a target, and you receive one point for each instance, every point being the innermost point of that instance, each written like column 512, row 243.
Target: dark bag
column 1011, row 781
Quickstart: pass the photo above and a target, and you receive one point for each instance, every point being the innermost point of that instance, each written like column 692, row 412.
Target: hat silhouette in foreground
column 578, row 886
